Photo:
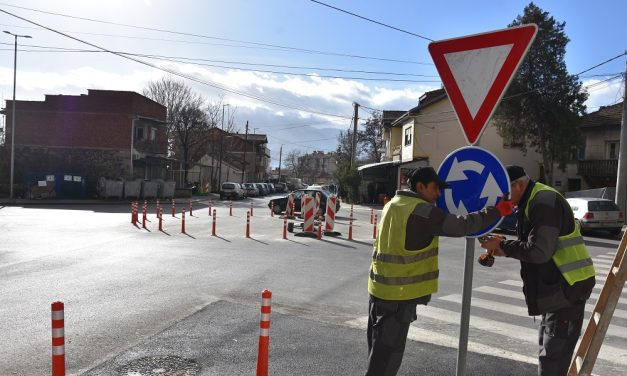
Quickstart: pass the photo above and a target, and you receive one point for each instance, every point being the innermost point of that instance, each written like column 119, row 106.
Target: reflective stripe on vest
column 397, row 273
column 571, row 256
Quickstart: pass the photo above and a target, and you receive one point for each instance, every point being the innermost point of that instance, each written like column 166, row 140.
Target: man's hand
column 493, row 244
column 505, row 206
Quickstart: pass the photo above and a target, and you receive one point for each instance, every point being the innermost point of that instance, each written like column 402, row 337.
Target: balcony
column 598, row 168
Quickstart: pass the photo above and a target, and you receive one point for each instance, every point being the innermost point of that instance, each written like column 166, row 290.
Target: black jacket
column 544, row 287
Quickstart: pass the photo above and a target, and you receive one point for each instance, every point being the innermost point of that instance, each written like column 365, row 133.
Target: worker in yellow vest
column 404, row 269
column 556, row 269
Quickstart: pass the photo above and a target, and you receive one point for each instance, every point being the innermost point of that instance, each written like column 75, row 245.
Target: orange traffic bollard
column 374, row 228
column 231, row 208
column 58, row 339
column 272, row 210
column 371, row 215
column 173, row 207
column 264, row 333
column 350, row 226
column 183, row 221
column 248, row 224
column 251, row 209
column 213, row 224
column 284, row 227
column 160, row 220
column 210, row 208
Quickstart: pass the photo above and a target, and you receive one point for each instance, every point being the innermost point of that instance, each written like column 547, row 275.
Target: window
column 408, row 134
column 153, row 134
column 139, row 133
column 611, row 149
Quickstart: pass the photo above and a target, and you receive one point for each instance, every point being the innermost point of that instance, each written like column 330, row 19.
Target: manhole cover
column 161, row 366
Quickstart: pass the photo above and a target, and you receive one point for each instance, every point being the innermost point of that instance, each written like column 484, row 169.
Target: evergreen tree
column 542, row 106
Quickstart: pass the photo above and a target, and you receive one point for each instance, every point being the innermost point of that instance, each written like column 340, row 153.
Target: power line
column 258, row 44
column 373, row 21
column 179, row 74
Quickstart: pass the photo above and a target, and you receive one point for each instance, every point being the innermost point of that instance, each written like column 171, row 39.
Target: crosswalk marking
column 610, row 257
column 519, row 283
column 439, row 339
column 519, row 333
column 516, row 310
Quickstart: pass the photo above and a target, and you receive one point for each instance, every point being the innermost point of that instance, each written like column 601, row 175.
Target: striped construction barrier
column 307, row 211
column 58, row 339
column 317, row 207
column 329, row 221
column 264, row 333
column 289, row 209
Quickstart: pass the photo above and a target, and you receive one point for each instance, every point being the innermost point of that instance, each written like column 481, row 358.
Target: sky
column 291, row 68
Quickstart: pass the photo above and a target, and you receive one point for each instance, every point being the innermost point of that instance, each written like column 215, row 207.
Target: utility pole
column 354, row 143
column 221, row 148
column 621, row 176
column 280, row 157
column 245, row 146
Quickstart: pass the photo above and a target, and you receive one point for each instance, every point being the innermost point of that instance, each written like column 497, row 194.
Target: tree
column 349, row 179
column 545, row 101
column 186, row 120
column 371, row 138
column 294, row 162
column 344, row 147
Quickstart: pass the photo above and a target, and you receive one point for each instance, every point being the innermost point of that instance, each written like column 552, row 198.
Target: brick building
column 113, row 134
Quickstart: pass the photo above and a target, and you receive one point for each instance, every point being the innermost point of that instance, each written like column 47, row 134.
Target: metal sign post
column 466, row 295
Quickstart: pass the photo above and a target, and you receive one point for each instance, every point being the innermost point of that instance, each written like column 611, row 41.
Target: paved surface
column 132, row 293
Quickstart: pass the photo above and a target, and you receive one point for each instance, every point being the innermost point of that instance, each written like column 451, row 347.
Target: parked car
column 280, row 187
column 231, row 190
column 251, row 190
column 597, row 214
column 280, row 204
column 262, row 189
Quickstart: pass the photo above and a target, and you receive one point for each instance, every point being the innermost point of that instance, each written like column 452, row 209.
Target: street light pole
column 13, row 111
column 221, row 148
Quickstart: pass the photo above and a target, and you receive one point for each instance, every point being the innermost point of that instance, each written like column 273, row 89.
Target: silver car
column 597, row 214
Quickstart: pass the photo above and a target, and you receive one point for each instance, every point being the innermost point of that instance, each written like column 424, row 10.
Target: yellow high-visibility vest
column 571, row 257
column 397, row 273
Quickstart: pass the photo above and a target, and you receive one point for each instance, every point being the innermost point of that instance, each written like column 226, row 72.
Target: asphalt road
column 133, row 295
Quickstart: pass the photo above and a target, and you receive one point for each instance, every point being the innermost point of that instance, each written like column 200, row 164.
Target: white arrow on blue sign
column 477, row 179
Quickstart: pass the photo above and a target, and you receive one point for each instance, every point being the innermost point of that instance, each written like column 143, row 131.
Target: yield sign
column 476, row 71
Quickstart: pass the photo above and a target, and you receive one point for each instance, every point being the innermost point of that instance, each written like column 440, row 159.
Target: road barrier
column 272, row 209
column 134, row 212
column 213, row 224
column 329, row 220
column 289, row 208
column 190, row 208
column 317, row 208
column 183, row 221
column 210, row 204
column 285, row 228
column 251, row 208
column 145, row 211
column 144, row 218
column 350, row 224
column 173, row 208
column 371, row 215
column 160, row 219
column 264, row 333
column 248, row 224
column 58, row 339
column 374, row 228
column 319, row 228
column 231, row 208
column 157, row 210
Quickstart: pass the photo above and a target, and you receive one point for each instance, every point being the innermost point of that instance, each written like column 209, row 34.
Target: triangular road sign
column 476, row 71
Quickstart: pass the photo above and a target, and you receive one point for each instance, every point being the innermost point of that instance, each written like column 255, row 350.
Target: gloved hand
column 505, row 206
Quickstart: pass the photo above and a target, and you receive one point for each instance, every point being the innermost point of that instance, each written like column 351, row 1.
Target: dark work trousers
column 388, row 324
column 558, row 335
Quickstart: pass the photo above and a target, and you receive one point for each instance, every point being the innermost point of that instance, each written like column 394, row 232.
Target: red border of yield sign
column 520, row 37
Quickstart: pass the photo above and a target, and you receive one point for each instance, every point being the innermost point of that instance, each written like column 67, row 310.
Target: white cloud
column 603, row 93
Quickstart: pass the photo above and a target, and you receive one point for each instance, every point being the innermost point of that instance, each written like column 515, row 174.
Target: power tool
column 487, row 259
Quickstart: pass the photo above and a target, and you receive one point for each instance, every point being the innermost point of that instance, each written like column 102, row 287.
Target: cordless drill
column 487, row 259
